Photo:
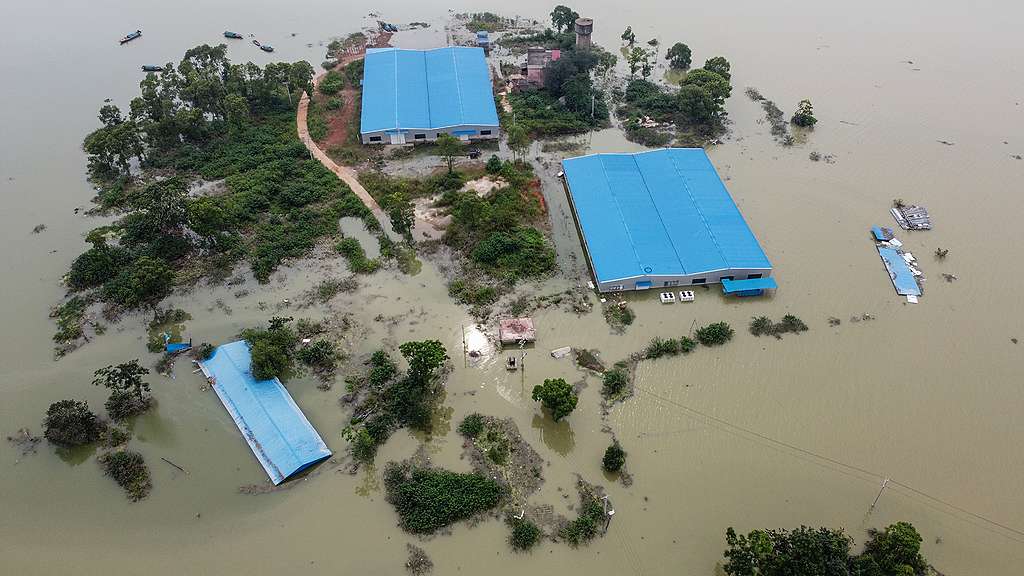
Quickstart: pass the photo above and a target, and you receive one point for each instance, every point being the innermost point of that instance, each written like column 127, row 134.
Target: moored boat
column 131, row 36
column 229, row 34
column 266, row 47
column 152, row 68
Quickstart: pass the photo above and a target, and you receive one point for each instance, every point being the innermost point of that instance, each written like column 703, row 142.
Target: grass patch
column 587, row 523
column 430, row 498
column 358, row 263
column 525, row 534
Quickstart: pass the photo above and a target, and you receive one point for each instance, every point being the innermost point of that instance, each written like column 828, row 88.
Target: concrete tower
column 584, row 28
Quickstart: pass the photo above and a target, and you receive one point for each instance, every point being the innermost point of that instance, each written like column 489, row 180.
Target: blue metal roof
column 426, row 89
column 731, row 286
column 662, row 212
column 277, row 431
column 902, row 278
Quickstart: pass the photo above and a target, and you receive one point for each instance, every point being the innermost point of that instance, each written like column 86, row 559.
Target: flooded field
column 761, row 433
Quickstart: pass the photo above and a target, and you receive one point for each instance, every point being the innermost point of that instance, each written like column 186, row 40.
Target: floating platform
column 280, row 436
column 516, row 330
column 899, row 271
column 912, row 217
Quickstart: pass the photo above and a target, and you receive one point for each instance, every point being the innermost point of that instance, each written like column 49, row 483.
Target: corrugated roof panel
column 426, row 89
column 663, row 212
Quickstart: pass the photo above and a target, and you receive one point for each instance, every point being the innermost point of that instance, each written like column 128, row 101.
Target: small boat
column 511, row 364
column 152, row 68
column 131, row 36
column 256, row 43
column 235, row 35
column 266, row 48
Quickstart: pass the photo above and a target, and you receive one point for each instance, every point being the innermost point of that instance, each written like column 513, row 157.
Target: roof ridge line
column 458, row 85
column 711, row 233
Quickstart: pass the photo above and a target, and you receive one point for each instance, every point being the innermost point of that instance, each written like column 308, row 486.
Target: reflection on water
column 556, row 435
column 75, row 455
column 153, row 428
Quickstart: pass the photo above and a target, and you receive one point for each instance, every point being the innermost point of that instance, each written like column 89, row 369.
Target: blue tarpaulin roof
column 662, row 212
column 899, row 272
column 426, row 89
column 730, row 286
column 277, row 431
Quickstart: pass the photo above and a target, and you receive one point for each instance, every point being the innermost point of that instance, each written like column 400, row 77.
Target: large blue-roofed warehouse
column 416, row 95
column 658, row 219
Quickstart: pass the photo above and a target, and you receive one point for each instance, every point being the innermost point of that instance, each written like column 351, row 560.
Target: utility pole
column 879, row 495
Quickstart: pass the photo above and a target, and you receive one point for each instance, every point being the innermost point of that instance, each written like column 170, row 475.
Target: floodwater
column 759, row 433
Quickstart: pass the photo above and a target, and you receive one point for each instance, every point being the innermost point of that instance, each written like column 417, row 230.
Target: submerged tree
column 129, row 393
column 71, row 423
column 679, row 56
column 614, row 457
column 628, row 36
column 719, row 65
column 425, row 357
column 804, row 116
column 563, row 18
column 556, row 395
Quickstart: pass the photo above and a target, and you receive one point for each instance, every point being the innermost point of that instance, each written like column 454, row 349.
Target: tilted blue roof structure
column 899, row 272
column 278, row 432
column 426, row 89
column 660, row 213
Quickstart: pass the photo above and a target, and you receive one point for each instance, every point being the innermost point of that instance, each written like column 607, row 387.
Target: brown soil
column 339, row 121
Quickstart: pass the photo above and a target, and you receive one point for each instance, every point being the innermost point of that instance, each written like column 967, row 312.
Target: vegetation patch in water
column 714, row 334
column 430, row 498
column 129, row 470
column 71, row 423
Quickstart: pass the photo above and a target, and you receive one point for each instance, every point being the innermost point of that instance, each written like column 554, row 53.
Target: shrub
column 204, row 351
column 521, row 253
column 615, row 380
column 429, row 498
column 494, row 164
column 658, row 348
column 584, row 527
column 320, row 354
column 525, row 534
column 356, row 256
column 364, row 446
column 714, row 334
column 614, row 457
column 472, row 425
column 332, row 83
column 687, row 344
column 272, row 350
column 129, row 470
column 804, row 116
column 556, row 395
column 791, row 323
column 760, row 326
column 334, row 103
column 71, row 423
column 382, row 370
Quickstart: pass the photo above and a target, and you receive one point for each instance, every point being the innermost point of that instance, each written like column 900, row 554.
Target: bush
column 320, row 354
column 525, row 534
column 761, row 326
column 129, row 470
column 335, row 103
column 584, row 527
column 332, row 83
column 614, row 457
column 429, row 498
column 204, row 351
column 272, row 350
column 364, row 446
column 122, row 405
column 658, row 348
column 791, row 323
column 521, row 253
column 714, row 334
column 687, row 344
column 494, row 164
column 615, row 380
column 71, row 423
column 356, row 256
column 472, row 425
column 96, row 265
column 556, row 395
column 146, row 280
column 382, row 370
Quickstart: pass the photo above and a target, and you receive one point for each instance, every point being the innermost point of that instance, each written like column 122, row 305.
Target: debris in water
column 949, row 277
column 911, row 217
column 941, row 253
column 946, row 142
column 24, row 442
column 1017, row 157
column 38, row 228
column 833, row 321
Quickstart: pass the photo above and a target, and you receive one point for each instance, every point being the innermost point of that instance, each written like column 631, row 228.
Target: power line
column 1009, row 530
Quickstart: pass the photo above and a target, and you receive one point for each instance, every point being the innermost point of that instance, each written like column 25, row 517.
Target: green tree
column 563, row 18
column 144, row 281
column 719, row 65
column 556, row 395
column 712, row 83
column 449, row 147
column 112, row 147
column 614, row 457
column 895, row 550
column 804, row 116
column 401, row 212
column 518, row 141
column 696, row 105
column 272, row 350
column 801, row 552
column 237, row 109
column 628, row 36
column 636, row 59
column 679, row 56
column 71, row 423
column 424, row 358
column 96, row 266
column 125, row 377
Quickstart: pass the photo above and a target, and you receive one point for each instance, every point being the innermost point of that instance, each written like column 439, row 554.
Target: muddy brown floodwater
column 758, row 433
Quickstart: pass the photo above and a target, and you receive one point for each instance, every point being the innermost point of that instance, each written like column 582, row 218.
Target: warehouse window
column 419, row 136
column 374, row 138
column 615, row 287
column 672, row 283
column 726, row 278
column 699, row 280
column 753, row 276
column 485, row 132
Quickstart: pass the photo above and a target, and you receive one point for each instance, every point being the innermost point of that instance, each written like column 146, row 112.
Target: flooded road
column 758, row 433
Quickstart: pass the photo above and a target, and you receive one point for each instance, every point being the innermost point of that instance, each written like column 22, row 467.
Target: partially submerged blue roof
column 902, row 278
column 277, row 431
column 662, row 212
column 731, row 286
column 426, row 89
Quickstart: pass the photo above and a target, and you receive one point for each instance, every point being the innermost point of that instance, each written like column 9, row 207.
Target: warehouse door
column 398, row 138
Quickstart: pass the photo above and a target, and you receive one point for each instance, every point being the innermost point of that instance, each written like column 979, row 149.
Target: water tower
column 584, row 28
